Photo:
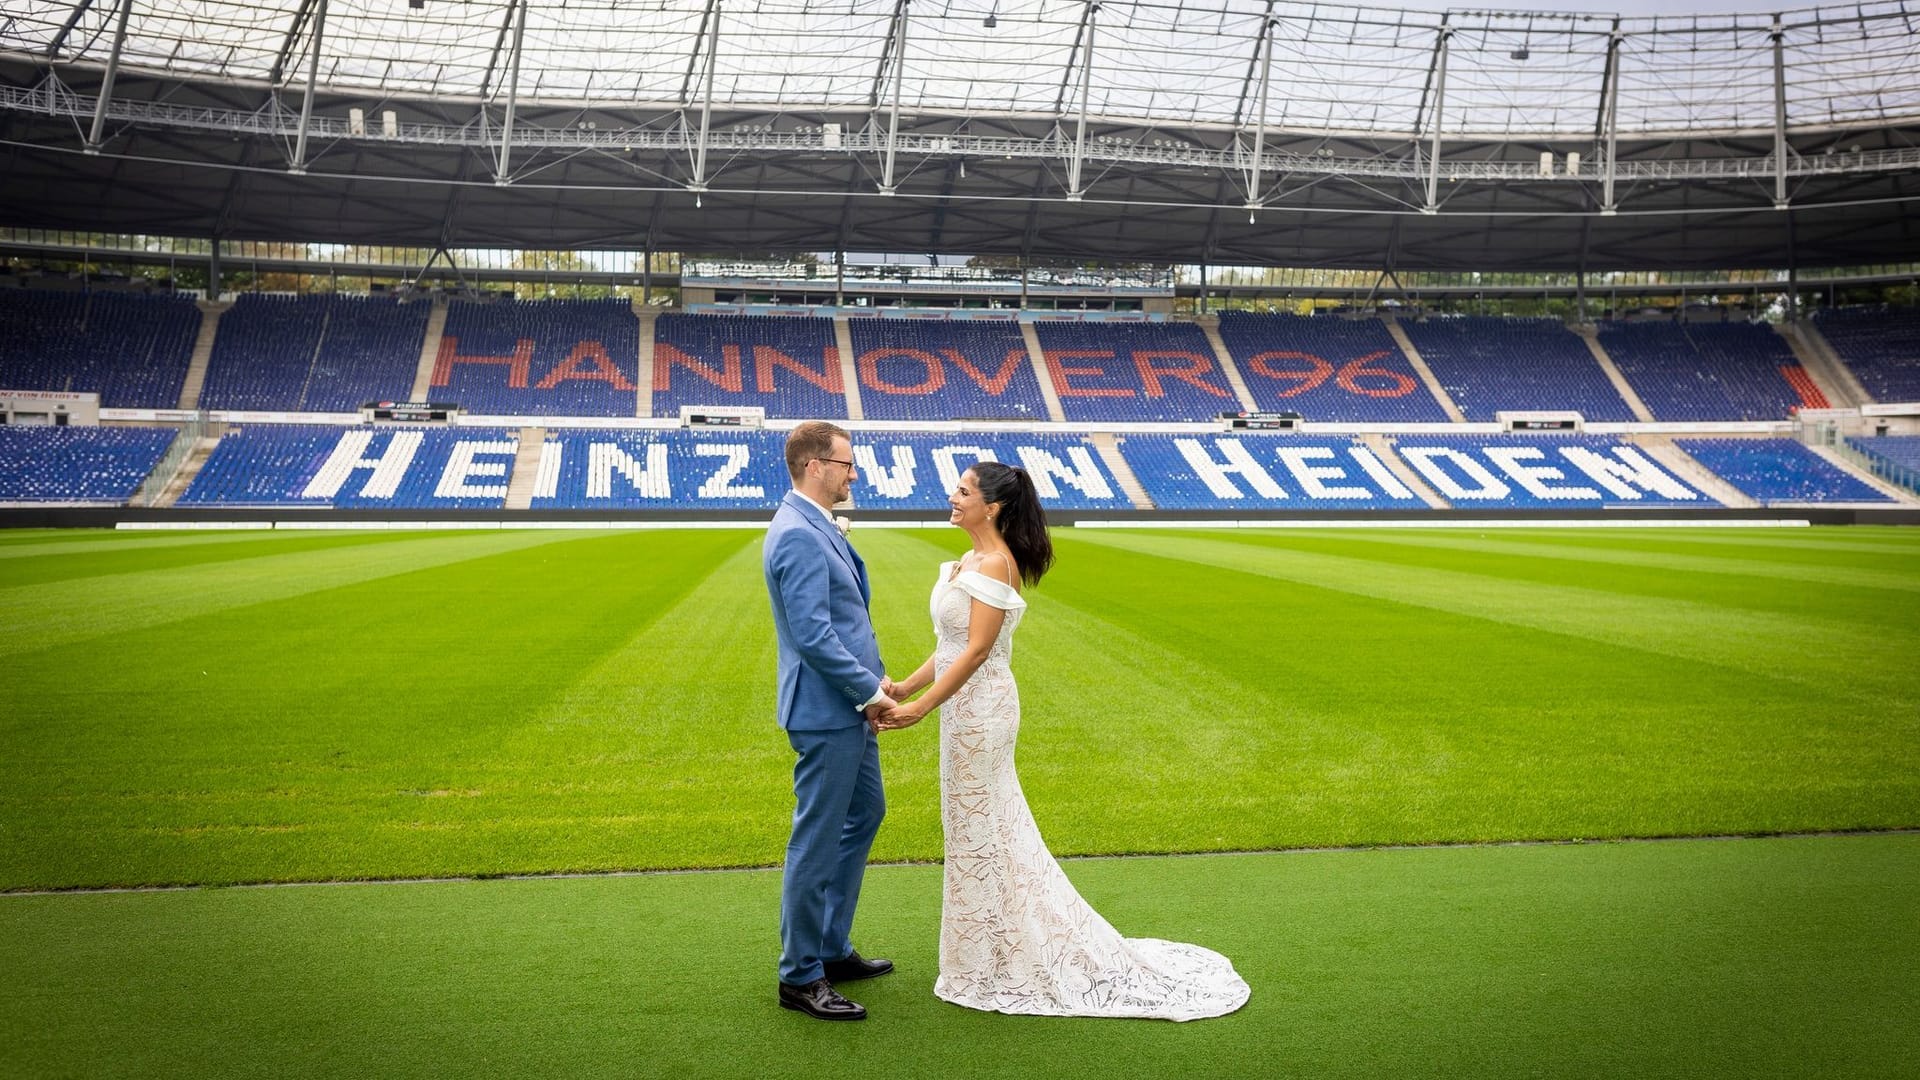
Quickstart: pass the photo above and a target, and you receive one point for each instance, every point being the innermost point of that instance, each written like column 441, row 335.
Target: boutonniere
column 842, row 523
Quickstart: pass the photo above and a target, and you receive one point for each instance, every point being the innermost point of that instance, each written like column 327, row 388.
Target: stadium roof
column 1231, row 131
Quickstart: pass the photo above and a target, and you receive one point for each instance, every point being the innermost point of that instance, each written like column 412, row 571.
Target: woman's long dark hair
column 1022, row 521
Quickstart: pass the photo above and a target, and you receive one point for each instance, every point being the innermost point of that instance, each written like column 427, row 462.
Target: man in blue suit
column 830, row 691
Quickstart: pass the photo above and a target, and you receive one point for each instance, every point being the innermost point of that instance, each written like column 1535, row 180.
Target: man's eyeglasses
column 837, row 461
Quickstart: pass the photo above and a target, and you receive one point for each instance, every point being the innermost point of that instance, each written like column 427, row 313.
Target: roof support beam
column 299, row 166
column 294, row 28
column 1260, row 118
column 493, row 58
column 502, row 174
column 1439, row 108
column 899, row 50
column 1610, row 121
column 699, row 182
column 73, row 20
column 106, row 83
column 1074, row 187
column 1778, row 34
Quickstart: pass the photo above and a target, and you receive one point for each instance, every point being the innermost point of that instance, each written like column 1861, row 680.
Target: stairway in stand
column 190, row 468
column 210, row 313
column 429, row 351
column 526, row 468
column 1108, row 447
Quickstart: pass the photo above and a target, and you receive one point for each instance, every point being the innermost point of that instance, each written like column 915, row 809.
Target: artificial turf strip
column 221, row 708
column 1787, row 957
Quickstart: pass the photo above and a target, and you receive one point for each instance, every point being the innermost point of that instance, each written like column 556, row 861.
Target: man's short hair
column 810, row 441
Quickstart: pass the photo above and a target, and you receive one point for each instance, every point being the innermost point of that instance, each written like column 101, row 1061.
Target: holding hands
column 901, row 716
column 890, row 714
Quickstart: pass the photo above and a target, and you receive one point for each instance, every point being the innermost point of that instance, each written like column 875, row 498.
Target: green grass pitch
column 211, row 709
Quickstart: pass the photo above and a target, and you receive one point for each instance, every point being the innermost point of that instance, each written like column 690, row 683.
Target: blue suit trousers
column 838, row 804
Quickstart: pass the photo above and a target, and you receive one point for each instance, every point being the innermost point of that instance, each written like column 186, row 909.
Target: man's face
column 840, row 477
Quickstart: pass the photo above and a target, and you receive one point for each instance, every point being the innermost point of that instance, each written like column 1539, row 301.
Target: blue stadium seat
column 1134, row 371
column 376, row 467
column 1880, row 344
column 1710, row 371
column 1327, row 368
column 788, row 366
column 326, row 353
column 1776, row 471
column 539, row 358
column 1263, row 472
column 1543, row 472
column 939, row 370
column 1896, row 448
column 1488, row 365
column 746, row 470
column 78, row 464
column 132, row 350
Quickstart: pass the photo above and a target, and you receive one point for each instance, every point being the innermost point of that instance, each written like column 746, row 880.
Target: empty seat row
column 1881, row 344
column 1488, row 365
column 78, row 464
column 325, row 353
column 379, row 467
column 132, row 350
column 1327, row 368
column 1779, row 471
column 1710, row 371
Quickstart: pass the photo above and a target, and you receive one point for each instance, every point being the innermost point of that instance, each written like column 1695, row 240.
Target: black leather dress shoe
column 821, row 1001
column 854, row 967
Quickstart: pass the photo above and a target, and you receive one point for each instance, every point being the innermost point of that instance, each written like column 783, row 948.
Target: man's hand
column 880, row 708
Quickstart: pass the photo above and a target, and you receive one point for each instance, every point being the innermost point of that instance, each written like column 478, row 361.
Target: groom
column 829, row 696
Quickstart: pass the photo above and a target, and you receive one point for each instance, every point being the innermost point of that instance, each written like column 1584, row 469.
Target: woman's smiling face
column 968, row 509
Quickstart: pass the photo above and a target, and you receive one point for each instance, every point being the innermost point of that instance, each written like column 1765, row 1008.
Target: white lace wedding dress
column 1015, row 937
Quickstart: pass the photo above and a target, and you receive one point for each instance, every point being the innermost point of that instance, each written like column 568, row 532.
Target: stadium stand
column 1710, row 371
column 539, row 358
column 1892, row 457
column 1776, row 471
column 1488, row 364
column 1327, row 368
column 788, row 366
column 1263, row 472
column 317, row 465
column 911, row 370
column 1880, row 344
column 1543, row 472
column 77, row 464
column 132, row 350
column 1134, row 371
column 746, row 470
column 327, row 353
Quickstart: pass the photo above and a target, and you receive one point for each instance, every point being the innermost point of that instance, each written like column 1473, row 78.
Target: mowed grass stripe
column 91, row 542
column 347, row 732
column 1757, row 958
column 1817, row 568
column 77, row 564
column 1852, row 605
column 1859, row 539
column 55, row 613
column 1369, row 715
column 606, row 703
column 1810, row 648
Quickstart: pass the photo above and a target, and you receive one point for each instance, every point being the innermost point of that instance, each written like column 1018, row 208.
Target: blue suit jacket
column 829, row 660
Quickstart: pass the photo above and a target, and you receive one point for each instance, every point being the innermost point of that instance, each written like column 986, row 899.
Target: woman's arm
column 983, row 627
column 913, row 683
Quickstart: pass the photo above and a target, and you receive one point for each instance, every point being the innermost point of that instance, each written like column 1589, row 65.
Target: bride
column 1015, row 937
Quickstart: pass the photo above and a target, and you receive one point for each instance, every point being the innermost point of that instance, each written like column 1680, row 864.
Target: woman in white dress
column 1015, row 937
